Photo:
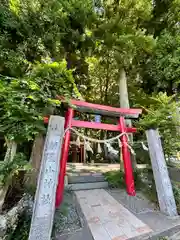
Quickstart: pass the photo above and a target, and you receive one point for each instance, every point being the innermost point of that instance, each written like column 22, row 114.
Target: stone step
column 86, row 186
column 86, row 179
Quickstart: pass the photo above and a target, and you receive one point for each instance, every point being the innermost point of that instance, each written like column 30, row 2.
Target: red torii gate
column 121, row 113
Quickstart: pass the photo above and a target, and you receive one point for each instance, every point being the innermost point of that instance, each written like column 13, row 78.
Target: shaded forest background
column 89, row 50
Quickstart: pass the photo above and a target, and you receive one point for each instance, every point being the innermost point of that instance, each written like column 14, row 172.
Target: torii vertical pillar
column 129, row 179
column 64, row 156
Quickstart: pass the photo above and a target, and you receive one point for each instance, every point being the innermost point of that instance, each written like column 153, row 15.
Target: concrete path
column 146, row 211
column 113, row 207
column 107, row 218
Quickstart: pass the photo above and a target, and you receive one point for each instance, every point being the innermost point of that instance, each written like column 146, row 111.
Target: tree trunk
column 10, row 153
column 124, row 103
column 35, row 160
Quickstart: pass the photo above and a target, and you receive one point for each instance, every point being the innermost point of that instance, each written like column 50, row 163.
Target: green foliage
column 176, row 191
column 121, row 31
column 116, row 179
column 102, row 74
column 162, row 70
column 173, row 17
column 165, row 15
column 9, row 169
column 120, row 42
column 158, row 22
column 25, row 101
column 162, row 111
column 35, row 37
column 31, row 31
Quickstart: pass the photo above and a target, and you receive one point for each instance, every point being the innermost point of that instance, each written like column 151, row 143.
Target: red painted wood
column 66, row 118
column 64, row 157
column 124, row 111
column 129, row 179
column 103, row 126
column 46, row 120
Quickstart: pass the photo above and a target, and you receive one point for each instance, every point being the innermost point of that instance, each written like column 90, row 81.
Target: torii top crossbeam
column 87, row 107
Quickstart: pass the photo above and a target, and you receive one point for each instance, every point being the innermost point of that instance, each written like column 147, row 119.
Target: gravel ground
column 66, row 220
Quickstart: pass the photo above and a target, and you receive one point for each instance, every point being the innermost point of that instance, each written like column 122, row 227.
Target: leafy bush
column 24, row 101
column 176, row 190
column 116, row 179
column 9, row 169
column 162, row 113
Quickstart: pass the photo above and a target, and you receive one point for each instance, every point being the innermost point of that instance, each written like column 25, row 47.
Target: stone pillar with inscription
column 44, row 202
column 163, row 184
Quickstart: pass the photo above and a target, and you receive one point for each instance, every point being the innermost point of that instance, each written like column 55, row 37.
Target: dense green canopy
column 78, row 48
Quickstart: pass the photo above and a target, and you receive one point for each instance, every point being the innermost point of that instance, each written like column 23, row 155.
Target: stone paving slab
column 86, row 179
column 136, row 204
column 144, row 210
column 86, row 186
column 175, row 236
column 107, row 218
column 149, row 213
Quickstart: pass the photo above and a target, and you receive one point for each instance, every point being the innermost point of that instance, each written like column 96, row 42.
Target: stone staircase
column 85, row 181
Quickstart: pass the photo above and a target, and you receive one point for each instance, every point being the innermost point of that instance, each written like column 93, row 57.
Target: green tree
column 162, row 69
column 35, row 37
column 161, row 112
column 31, row 31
